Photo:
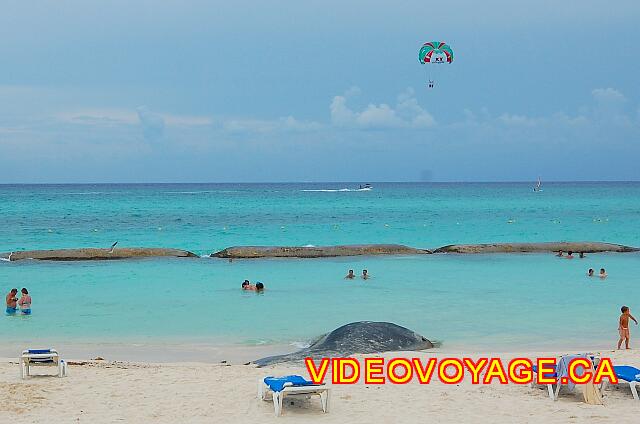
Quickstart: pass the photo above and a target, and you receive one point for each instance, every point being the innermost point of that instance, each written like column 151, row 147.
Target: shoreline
column 216, row 353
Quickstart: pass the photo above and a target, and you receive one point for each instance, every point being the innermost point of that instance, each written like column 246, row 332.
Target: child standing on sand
column 623, row 326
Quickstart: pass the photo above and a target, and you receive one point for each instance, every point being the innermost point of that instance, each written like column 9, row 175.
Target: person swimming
column 259, row 287
column 581, row 255
column 12, row 302
column 559, row 254
column 569, row 255
column 365, row 274
column 590, row 272
column 25, row 302
column 246, row 285
column 603, row 273
column 350, row 275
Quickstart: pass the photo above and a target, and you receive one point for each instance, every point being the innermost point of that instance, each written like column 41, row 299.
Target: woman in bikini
column 25, row 302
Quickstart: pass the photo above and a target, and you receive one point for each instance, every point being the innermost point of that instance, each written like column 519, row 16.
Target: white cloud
column 98, row 116
column 264, row 126
column 406, row 114
column 509, row 119
column 608, row 95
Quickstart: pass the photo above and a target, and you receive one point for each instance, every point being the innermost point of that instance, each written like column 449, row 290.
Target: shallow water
column 474, row 301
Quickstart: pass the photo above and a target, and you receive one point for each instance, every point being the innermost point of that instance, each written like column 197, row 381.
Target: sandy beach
column 106, row 391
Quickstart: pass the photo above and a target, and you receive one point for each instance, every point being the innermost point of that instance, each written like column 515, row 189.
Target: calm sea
column 482, row 301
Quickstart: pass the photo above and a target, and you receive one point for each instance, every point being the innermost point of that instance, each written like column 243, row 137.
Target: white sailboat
column 538, row 185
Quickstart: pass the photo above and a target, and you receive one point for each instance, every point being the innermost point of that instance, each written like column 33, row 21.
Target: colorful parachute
column 434, row 52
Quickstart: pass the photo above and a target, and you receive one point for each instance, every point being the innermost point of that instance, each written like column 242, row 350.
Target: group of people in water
column 590, row 272
column 569, row 254
column 13, row 302
column 350, row 275
column 257, row 287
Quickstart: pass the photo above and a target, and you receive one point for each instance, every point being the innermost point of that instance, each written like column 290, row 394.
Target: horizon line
column 316, row 182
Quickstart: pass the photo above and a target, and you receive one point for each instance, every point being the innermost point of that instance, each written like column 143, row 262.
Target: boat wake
column 337, row 190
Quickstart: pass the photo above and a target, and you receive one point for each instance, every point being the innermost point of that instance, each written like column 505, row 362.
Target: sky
column 284, row 91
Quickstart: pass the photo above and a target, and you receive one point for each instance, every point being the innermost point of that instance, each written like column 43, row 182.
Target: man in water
column 623, row 326
column 590, row 272
column 12, row 302
column 559, row 253
column 246, row 285
column 581, row 255
column 569, row 254
column 365, row 274
column 259, row 287
column 25, row 302
column 350, row 275
column 603, row 273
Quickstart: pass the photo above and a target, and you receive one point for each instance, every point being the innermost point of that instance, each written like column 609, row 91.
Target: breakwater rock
column 358, row 337
column 316, row 251
column 575, row 246
column 88, row 254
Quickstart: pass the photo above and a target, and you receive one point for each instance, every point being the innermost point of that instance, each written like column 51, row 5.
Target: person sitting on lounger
column 25, row 302
column 12, row 302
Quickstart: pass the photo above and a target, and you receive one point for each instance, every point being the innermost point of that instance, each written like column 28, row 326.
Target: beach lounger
column 628, row 374
column 553, row 394
column 277, row 388
column 41, row 358
column 561, row 365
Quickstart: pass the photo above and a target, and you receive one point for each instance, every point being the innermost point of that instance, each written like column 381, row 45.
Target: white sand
column 105, row 392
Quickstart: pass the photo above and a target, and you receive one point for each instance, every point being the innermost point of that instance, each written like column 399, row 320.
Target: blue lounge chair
column 561, row 366
column 277, row 388
column 41, row 358
column 552, row 394
column 629, row 374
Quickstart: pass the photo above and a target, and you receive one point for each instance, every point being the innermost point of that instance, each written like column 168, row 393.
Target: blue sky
column 180, row 91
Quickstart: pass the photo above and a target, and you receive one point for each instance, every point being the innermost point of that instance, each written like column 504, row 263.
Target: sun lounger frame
column 265, row 393
column 50, row 358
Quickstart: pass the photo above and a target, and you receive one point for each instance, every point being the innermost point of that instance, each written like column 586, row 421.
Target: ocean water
column 506, row 302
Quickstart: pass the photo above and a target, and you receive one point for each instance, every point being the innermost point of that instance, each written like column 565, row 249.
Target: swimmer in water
column 246, row 285
column 25, row 302
column 581, row 255
column 603, row 273
column 590, row 272
column 365, row 274
column 259, row 287
column 350, row 275
column 559, row 253
column 569, row 255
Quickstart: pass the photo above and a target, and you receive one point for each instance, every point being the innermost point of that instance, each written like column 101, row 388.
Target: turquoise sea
column 501, row 302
